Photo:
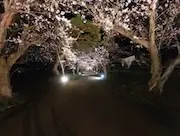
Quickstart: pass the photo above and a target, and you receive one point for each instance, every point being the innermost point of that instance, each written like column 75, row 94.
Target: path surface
column 83, row 108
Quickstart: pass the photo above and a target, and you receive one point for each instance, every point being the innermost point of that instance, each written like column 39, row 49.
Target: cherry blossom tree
column 5, row 63
column 28, row 23
column 37, row 23
column 95, row 59
column 148, row 23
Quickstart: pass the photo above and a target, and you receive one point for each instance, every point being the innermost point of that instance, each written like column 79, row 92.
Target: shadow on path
column 83, row 108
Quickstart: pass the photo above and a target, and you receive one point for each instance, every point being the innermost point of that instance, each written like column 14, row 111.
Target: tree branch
column 168, row 72
column 4, row 24
column 131, row 36
column 6, row 20
column 34, row 39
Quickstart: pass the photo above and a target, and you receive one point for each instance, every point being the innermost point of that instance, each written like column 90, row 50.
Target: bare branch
column 168, row 72
column 131, row 36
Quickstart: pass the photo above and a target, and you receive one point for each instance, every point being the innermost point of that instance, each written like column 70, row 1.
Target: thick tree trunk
column 153, row 50
column 168, row 72
column 5, row 89
column 6, row 20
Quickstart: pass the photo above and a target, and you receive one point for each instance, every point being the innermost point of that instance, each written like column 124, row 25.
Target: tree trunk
column 74, row 73
column 168, row 72
column 58, row 61
column 55, row 69
column 104, row 70
column 5, row 89
column 62, row 67
column 78, row 70
column 153, row 50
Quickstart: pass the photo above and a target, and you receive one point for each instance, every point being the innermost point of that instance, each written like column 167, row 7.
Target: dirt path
column 83, row 109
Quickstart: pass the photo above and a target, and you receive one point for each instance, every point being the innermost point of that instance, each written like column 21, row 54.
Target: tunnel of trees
column 37, row 36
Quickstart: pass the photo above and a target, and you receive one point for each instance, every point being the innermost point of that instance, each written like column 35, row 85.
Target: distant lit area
column 97, row 77
column 87, row 76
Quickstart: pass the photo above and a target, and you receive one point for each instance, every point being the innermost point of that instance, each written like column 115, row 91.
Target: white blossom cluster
column 111, row 14
column 48, row 21
column 133, row 15
column 167, row 30
column 95, row 59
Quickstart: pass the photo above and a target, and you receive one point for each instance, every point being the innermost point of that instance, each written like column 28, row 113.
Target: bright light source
column 94, row 78
column 102, row 76
column 64, row 79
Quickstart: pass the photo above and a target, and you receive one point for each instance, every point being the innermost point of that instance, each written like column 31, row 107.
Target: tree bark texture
column 153, row 50
column 55, row 69
column 5, row 89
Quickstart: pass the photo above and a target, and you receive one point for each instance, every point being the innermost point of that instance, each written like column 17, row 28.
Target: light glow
column 94, row 78
column 64, row 79
column 102, row 76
